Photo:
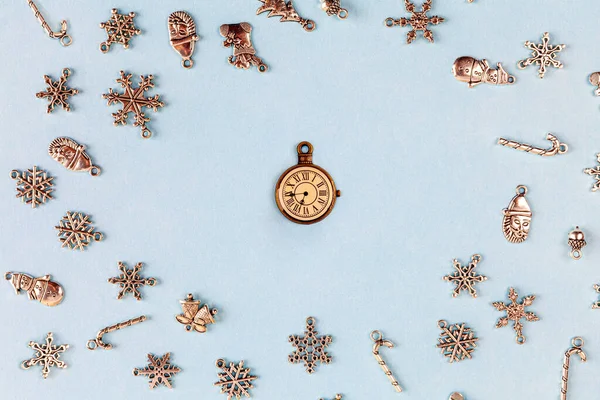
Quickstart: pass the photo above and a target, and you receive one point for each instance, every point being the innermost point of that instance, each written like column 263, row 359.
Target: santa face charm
column 517, row 217
column 72, row 155
column 182, row 34
column 42, row 289
column 474, row 72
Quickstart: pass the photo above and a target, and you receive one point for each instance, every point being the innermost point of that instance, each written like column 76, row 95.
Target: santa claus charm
column 182, row 35
column 517, row 217
column 473, row 71
column 244, row 55
column 72, row 155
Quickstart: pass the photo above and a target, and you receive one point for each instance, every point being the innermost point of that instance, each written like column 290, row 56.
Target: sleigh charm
column 195, row 317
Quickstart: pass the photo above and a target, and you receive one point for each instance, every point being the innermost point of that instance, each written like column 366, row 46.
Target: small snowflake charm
column 543, row 55
column 515, row 312
column 235, row 380
column 47, row 355
column 310, row 348
column 595, row 172
column 465, row 278
column 419, row 21
column 133, row 101
column 130, row 281
column 159, row 371
column 57, row 92
column 33, row 186
column 119, row 29
column 76, row 232
column 456, row 342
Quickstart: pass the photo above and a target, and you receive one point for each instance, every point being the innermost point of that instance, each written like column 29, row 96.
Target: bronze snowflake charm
column 130, row 281
column 47, row 355
column 515, row 312
column 133, row 101
column 543, row 55
column 419, row 21
column 57, row 92
column 456, row 342
column 465, row 278
column 33, row 186
column 119, row 29
column 76, row 232
column 159, row 371
column 310, row 348
column 235, row 380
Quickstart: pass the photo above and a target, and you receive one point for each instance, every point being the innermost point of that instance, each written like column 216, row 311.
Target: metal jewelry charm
column 377, row 337
column 62, row 35
column 595, row 172
column 42, row 289
column 120, row 28
column 182, row 34
column 557, row 146
column 310, row 348
column 244, row 54
column 58, row 92
column 287, row 12
column 595, row 80
column 195, row 317
column 76, row 232
column 333, row 7
column 93, row 344
column 473, row 71
column 47, row 355
column 235, row 380
column 515, row 312
column 543, row 55
column 72, row 156
column 130, row 281
column 577, row 242
column 596, row 305
column 33, row 186
column 517, row 217
column 577, row 344
column 465, row 277
column 159, row 371
column 456, row 342
column 418, row 21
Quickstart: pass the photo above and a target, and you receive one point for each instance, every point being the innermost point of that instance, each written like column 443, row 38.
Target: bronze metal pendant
column 182, row 35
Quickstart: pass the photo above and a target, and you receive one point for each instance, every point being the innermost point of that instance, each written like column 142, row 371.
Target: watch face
column 305, row 193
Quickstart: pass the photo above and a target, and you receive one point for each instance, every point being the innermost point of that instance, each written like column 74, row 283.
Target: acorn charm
column 474, row 72
column 42, row 289
column 577, row 242
column 517, row 217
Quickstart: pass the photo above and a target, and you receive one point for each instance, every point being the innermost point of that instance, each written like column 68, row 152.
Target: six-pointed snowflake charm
column 419, row 21
column 119, row 29
column 543, row 55
column 133, row 101
column 76, row 232
column 595, row 172
column 130, row 280
column 456, row 342
column 159, row 371
column 465, row 277
column 47, row 355
column 515, row 312
column 57, row 92
column 310, row 348
column 235, row 380
column 33, row 186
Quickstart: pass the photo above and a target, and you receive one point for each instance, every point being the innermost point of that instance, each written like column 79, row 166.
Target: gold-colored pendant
column 305, row 193
column 120, row 28
column 42, row 289
column 543, row 55
column 75, row 231
column 473, row 71
column 159, row 371
column 61, row 35
column 465, row 277
column 377, row 337
column 182, row 35
column 576, row 348
column 234, row 380
column 130, row 281
column 57, row 92
column 244, row 54
column 72, row 156
column 556, row 148
column 456, row 341
column 517, row 217
column 310, row 349
column 334, row 7
column 287, row 12
column 194, row 317
column 34, row 186
column 516, row 312
column 594, row 172
column 418, row 21
column 577, row 242
column 98, row 342
column 47, row 355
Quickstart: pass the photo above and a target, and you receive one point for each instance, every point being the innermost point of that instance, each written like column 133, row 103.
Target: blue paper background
column 412, row 150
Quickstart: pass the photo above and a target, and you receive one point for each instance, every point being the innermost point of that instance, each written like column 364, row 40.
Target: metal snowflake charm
column 57, row 92
column 133, row 101
column 419, row 21
column 130, row 281
column 310, row 348
column 465, row 277
column 515, row 312
column 456, row 342
column 119, row 29
column 159, row 371
column 235, row 380
column 595, row 172
column 287, row 12
column 47, row 355
column 543, row 55
column 33, row 186
column 76, row 232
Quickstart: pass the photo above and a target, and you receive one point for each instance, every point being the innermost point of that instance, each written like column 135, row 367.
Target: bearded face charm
column 474, row 72
column 182, row 34
column 517, row 217
column 72, row 155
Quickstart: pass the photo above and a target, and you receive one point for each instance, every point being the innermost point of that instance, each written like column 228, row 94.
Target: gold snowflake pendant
column 130, row 280
column 310, row 348
column 33, row 186
column 235, row 380
column 76, row 232
column 465, row 277
column 57, row 92
column 47, row 355
column 159, row 371
column 119, row 29
column 419, row 21
column 456, row 341
column 543, row 55
column 515, row 312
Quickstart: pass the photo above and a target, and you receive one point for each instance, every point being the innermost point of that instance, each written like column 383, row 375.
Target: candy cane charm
column 377, row 337
column 62, row 35
column 557, row 146
column 93, row 344
column 577, row 343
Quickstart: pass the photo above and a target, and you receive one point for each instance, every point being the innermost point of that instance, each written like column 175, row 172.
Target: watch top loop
column 305, row 151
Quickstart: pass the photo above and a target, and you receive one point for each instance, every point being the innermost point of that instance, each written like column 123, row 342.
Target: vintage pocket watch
column 305, row 193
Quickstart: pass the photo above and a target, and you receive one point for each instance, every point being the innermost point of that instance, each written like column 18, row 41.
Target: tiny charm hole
column 389, row 22
column 376, row 335
column 66, row 40
column 521, row 189
column 103, row 48
column 91, row 345
column 304, row 148
column 577, row 342
column 343, row 14
column 95, row 171
column 442, row 324
column 220, row 363
column 98, row 236
column 511, row 80
column 521, row 340
column 8, row 276
column 187, row 63
column 146, row 134
column 262, row 68
column 14, row 174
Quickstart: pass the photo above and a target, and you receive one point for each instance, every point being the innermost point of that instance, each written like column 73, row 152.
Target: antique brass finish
column 234, row 380
column 334, row 7
column 595, row 80
column 47, row 355
column 577, row 344
column 556, row 148
column 182, row 35
column 57, row 92
column 42, row 289
column 515, row 312
column 62, row 35
column 473, row 71
column 93, row 344
column 456, row 341
column 517, row 217
column 34, row 186
column 120, row 28
column 419, row 21
column 543, row 55
column 577, row 242
column 130, row 281
column 72, row 156
column 465, row 277
column 195, row 317
column 287, row 12
column 75, row 231
column 377, row 337
column 244, row 54
column 310, row 349
column 456, row 395
column 159, row 371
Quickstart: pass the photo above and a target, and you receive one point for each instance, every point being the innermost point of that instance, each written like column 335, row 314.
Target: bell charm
column 577, row 242
column 72, row 155
column 517, row 217
column 42, row 289
column 182, row 35
column 473, row 71
column 195, row 317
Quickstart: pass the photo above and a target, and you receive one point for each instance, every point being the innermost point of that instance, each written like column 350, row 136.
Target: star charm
column 418, row 21
column 57, row 92
column 465, row 277
column 515, row 312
